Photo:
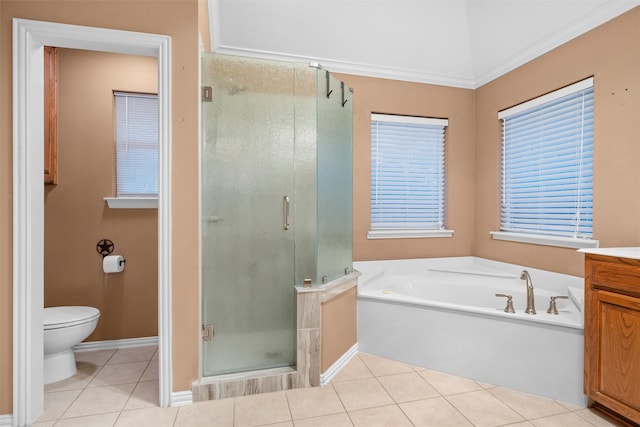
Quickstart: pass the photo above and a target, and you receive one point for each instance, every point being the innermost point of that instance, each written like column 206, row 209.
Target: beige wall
column 339, row 327
column 396, row 97
column 76, row 217
column 178, row 19
column 610, row 53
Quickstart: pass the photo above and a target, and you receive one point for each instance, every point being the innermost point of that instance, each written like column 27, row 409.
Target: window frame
column 407, row 232
column 124, row 200
column 549, row 238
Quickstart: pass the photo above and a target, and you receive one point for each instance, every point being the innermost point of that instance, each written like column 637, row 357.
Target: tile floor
column 120, row 388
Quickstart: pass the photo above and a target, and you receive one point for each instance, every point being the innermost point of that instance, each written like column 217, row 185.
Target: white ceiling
column 461, row 43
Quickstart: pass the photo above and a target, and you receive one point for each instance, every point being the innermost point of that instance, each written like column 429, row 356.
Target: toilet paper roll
column 113, row 264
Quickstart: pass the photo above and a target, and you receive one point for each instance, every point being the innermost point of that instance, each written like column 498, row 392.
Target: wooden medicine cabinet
column 50, row 115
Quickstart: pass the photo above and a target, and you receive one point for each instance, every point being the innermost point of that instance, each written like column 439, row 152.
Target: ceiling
column 460, row 43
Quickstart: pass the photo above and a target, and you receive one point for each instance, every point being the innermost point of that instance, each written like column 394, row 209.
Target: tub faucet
column 531, row 306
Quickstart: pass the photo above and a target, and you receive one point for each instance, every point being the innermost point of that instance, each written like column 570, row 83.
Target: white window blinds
column 136, row 132
column 407, row 173
column 547, row 164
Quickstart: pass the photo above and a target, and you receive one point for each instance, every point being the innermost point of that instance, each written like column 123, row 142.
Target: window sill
column 534, row 239
column 408, row 234
column 132, row 202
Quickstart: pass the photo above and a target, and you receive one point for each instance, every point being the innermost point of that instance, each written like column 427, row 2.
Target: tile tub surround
column 308, row 369
column 368, row 391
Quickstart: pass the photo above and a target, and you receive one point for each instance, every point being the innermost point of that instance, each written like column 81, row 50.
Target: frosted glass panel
column 305, row 174
column 334, row 195
column 247, row 255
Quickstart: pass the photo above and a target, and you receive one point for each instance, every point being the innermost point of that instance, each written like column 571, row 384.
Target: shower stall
column 276, row 205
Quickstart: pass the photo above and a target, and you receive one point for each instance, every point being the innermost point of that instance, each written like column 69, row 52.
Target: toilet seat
column 67, row 316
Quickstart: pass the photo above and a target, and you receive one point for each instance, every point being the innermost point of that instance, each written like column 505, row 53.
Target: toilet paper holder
column 105, row 247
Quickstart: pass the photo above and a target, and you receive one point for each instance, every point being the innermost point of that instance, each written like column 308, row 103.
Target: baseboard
column 328, row 375
column 116, row 344
column 181, row 398
column 6, row 420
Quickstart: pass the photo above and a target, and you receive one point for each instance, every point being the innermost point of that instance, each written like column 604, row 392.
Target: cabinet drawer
column 620, row 277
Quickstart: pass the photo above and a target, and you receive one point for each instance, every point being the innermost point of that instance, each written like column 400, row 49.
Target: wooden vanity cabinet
column 50, row 115
column 612, row 336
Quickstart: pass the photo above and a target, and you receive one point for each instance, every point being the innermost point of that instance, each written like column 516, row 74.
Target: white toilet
column 65, row 327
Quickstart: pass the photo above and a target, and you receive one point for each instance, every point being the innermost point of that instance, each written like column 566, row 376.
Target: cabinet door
column 616, row 380
column 50, row 115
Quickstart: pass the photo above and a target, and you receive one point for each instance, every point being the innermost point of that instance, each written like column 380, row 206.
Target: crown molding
column 345, row 67
column 578, row 27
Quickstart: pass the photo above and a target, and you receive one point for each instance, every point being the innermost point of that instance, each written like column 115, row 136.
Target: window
column 407, row 177
column 547, row 168
column 136, row 129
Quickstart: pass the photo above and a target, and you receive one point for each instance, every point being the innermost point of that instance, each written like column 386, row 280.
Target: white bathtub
column 443, row 314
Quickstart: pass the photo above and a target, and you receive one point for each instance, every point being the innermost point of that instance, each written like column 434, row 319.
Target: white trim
column 29, row 37
column 328, row 375
column 213, row 7
column 115, row 344
column 131, row 202
column 390, row 118
column 408, row 234
column 6, row 420
column 551, row 96
column 165, row 241
column 563, row 242
column 369, row 70
column 181, row 398
column 28, row 230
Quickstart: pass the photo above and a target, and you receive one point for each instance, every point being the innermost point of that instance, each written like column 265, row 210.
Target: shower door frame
column 29, row 39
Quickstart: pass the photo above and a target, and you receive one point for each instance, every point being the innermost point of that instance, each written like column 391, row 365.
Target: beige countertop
column 625, row 252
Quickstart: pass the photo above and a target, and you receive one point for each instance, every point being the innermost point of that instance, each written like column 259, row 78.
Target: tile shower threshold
column 246, row 375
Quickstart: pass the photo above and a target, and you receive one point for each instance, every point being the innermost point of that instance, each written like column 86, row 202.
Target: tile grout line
column 82, row 390
column 136, row 386
column 342, row 403
column 395, row 403
column 458, row 410
column 510, row 407
column 286, row 397
column 566, row 410
column 415, row 371
column 340, row 399
column 534, row 418
column 100, row 367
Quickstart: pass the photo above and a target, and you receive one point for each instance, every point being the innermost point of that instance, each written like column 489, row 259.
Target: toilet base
column 59, row 366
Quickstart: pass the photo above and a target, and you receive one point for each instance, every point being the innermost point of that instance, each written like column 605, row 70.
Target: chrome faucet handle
column 509, row 307
column 552, row 304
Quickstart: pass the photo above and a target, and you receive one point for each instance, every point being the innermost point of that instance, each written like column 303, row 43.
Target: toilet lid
column 64, row 317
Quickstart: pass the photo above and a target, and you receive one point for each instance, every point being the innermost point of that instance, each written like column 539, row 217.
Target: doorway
column 29, row 40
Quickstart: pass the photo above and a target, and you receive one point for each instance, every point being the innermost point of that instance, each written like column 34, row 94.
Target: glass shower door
column 247, row 216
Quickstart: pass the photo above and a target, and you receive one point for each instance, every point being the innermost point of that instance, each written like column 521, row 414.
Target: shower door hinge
column 207, row 94
column 207, row 332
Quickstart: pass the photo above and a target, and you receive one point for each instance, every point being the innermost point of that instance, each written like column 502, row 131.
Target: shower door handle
column 286, row 213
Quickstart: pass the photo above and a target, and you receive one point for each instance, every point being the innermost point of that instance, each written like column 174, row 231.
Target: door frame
column 29, row 39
